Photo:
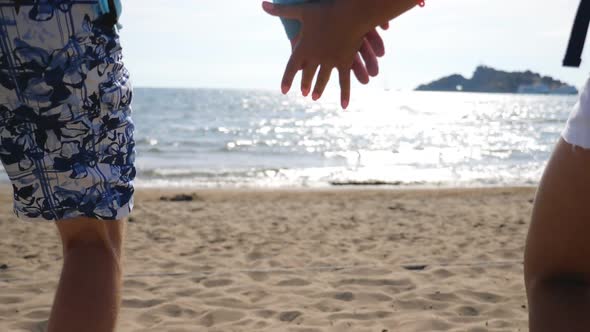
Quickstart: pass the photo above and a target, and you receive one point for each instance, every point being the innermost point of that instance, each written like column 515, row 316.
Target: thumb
column 284, row 11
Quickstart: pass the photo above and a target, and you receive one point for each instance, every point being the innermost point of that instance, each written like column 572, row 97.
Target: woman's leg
column 557, row 257
column 88, row 295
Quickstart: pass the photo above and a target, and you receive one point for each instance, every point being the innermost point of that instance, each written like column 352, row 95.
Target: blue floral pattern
column 66, row 134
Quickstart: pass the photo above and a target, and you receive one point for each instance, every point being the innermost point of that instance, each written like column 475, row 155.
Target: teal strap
column 292, row 27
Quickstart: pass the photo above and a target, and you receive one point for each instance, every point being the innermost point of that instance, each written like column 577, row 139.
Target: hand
column 365, row 62
column 329, row 38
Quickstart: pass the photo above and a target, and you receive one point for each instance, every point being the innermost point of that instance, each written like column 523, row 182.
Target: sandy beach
column 296, row 261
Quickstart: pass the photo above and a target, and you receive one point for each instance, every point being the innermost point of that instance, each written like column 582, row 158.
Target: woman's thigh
column 557, row 258
column 559, row 236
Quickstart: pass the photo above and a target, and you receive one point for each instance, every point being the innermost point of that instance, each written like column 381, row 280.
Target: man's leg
column 557, row 258
column 88, row 295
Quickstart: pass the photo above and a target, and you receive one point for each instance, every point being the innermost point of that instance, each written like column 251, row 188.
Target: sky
column 234, row 44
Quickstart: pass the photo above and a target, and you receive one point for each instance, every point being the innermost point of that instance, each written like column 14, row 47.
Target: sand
column 297, row 261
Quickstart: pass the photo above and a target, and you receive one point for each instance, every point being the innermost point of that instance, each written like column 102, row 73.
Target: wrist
column 377, row 12
column 362, row 14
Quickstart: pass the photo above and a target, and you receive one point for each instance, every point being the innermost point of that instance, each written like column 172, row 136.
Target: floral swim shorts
column 66, row 135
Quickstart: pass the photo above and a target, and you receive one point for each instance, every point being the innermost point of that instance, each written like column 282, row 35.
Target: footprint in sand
column 360, row 316
column 148, row 319
column 260, row 325
column 442, row 273
column 483, row 296
column 442, row 297
column 156, row 315
column 478, row 329
column 468, row 311
column 140, row 304
column 255, row 295
column 373, row 297
column 258, row 276
column 392, row 285
column 378, row 282
column 217, row 283
column 293, row 282
column 10, row 300
column 303, row 329
column 421, row 304
column 38, row 314
column 217, row 317
column 498, row 324
column 327, row 306
column 176, row 311
column 265, row 313
column 228, row 303
column 255, row 255
column 131, row 284
column 344, row 296
column 188, row 292
column 289, row 316
column 426, row 325
column 40, row 326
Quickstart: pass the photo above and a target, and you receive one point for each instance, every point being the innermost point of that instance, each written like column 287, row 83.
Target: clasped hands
column 329, row 39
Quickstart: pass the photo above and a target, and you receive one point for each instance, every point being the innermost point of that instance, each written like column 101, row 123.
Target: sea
column 223, row 138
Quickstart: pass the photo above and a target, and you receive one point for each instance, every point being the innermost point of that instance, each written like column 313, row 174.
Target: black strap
column 112, row 15
column 17, row 4
column 573, row 57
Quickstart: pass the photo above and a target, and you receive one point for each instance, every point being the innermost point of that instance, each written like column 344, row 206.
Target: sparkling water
column 236, row 138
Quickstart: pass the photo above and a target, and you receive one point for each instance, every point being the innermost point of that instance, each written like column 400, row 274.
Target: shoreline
column 4, row 187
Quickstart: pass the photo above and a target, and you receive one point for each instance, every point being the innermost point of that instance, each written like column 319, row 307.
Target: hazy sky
column 234, row 44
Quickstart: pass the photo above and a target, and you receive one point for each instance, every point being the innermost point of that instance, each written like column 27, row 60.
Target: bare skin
column 557, row 269
column 365, row 63
column 331, row 35
column 88, row 295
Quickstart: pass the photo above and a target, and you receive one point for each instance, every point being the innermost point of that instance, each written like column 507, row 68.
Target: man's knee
column 86, row 233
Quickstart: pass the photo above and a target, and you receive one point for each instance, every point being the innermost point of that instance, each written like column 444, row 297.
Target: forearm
column 377, row 12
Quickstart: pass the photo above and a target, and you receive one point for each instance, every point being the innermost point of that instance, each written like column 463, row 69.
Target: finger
column 321, row 82
column 291, row 70
column 344, row 87
column 376, row 42
column 370, row 58
column 385, row 26
column 307, row 78
column 358, row 67
column 294, row 42
column 284, row 11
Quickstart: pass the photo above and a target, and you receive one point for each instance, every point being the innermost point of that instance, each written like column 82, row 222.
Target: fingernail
column 305, row 91
column 315, row 96
column 267, row 6
column 284, row 89
column 345, row 104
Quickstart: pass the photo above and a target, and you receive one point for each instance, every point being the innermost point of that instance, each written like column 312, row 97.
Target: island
column 487, row 79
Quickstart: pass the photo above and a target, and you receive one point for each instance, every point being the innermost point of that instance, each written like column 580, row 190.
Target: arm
column 365, row 63
column 374, row 11
column 331, row 34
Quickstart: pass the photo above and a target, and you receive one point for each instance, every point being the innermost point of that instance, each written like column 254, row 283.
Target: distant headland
column 487, row 79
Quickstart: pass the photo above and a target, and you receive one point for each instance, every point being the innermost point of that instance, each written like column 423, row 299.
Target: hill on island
column 487, row 79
